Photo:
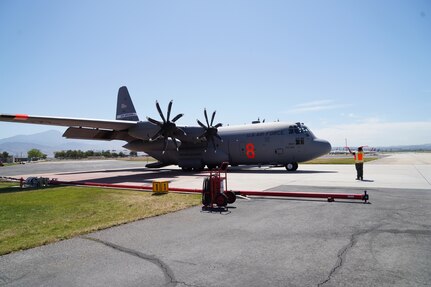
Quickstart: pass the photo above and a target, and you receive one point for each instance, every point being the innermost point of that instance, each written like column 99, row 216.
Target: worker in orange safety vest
column 359, row 163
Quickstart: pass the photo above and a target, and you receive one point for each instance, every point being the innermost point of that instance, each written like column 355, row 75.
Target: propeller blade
column 175, row 142
column 201, row 124
column 212, row 118
column 206, row 117
column 210, row 133
column 202, row 136
column 177, row 117
column 156, row 136
column 180, row 132
column 153, row 121
column 168, row 129
column 169, row 110
column 160, row 112
column 165, row 145
column 214, row 145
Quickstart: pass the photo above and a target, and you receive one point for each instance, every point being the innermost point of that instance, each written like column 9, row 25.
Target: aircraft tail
column 125, row 109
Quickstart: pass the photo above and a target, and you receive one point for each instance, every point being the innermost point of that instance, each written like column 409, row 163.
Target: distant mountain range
column 50, row 141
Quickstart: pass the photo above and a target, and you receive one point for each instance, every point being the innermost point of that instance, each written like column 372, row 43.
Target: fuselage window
column 299, row 141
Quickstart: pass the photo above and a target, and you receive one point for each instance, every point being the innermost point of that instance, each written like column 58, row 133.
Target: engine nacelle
column 143, row 130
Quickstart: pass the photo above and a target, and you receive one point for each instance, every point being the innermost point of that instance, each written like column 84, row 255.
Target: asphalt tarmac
column 257, row 242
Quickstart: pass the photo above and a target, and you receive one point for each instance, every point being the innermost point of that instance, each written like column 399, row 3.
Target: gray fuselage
column 275, row 143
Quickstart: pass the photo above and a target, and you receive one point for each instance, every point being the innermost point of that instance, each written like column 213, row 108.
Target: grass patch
column 146, row 158
column 337, row 160
column 35, row 217
column 7, row 164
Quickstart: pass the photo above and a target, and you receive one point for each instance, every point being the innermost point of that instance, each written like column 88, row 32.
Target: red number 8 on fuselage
column 249, row 150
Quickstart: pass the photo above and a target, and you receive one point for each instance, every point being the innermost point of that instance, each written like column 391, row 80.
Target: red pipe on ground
column 329, row 196
column 303, row 194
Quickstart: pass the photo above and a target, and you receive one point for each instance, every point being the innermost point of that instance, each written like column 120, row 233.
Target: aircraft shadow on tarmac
column 177, row 172
column 107, row 171
column 276, row 171
column 145, row 175
column 141, row 178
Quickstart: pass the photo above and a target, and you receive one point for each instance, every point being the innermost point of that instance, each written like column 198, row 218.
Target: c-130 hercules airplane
column 192, row 148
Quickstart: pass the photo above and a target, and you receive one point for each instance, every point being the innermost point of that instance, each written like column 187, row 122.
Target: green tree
column 59, row 154
column 4, row 155
column 133, row 153
column 89, row 153
column 35, row 154
column 106, row 153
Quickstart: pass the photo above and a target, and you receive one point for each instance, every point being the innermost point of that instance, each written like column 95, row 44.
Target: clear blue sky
column 359, row 70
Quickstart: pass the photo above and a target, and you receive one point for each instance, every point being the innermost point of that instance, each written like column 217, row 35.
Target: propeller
column 168, row 128
column 210, row 130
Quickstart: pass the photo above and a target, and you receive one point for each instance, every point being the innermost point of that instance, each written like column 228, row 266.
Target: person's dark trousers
column 359, row 170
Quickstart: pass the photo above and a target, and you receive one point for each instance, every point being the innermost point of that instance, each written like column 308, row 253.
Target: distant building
column 19, row 159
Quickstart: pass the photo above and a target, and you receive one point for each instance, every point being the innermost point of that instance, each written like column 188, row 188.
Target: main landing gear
column 292, row 166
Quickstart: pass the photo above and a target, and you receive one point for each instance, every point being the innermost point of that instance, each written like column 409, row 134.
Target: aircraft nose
column 322, row 146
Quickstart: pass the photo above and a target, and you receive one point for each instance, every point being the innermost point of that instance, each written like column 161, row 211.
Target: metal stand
column 214, row 190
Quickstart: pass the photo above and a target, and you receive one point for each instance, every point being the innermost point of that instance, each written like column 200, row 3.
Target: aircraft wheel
column 231, row 196
column 221, row 200
column 292, row 166
column 206, row 198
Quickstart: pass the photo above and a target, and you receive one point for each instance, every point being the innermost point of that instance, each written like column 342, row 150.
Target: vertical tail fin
column 125, row 109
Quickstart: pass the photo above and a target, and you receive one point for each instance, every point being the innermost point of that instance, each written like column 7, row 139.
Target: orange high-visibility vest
column 359, row 157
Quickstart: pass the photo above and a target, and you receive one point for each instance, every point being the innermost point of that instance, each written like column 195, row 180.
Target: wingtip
column 14, row 116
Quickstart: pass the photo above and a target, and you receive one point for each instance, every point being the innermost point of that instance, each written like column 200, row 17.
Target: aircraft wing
column 115, row 125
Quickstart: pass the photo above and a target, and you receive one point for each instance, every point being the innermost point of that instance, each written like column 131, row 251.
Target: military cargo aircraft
column 194, row 147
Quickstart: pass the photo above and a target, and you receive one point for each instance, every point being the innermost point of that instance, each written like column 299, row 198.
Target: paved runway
column 259, row 242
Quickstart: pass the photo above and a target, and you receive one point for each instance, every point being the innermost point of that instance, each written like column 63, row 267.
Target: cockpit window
column 294, row 130
column 306, row 131
column 299, row 129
